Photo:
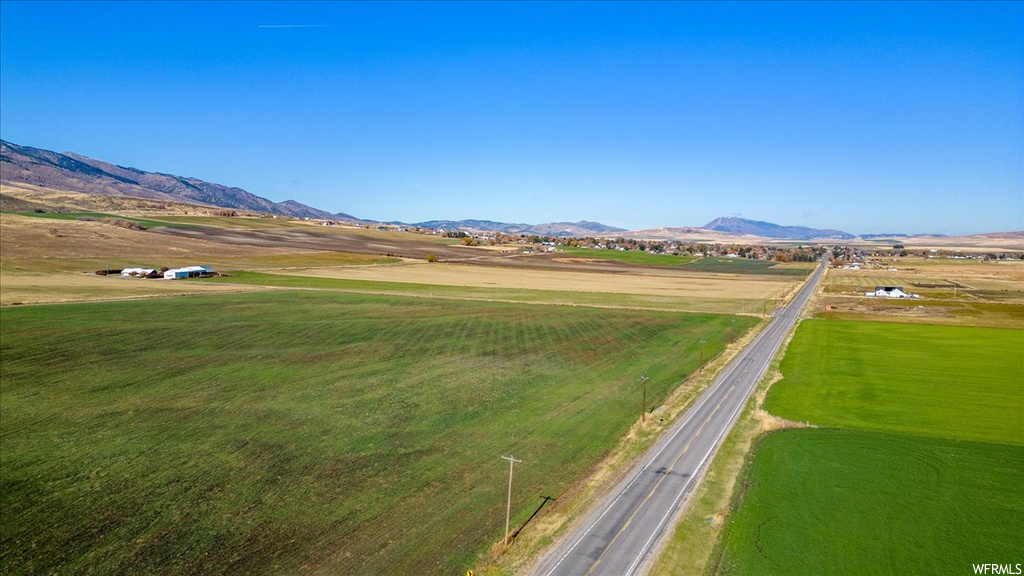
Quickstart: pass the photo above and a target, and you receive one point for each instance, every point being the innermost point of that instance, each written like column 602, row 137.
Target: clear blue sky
column 867, row 117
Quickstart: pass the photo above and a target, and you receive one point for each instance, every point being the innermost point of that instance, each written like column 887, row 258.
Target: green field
column 300, row 431
column 847, row 502
column 716, row 265
column 745, row 266
column 948, row 381
column 628, row 256
column 918, row 471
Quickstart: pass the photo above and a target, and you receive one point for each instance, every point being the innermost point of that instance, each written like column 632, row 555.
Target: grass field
column 628, row 256
column 652, row 282
column 949, row 381
column 148, row 223
column 744, row 266
column 696, row 301
column 718, row 265
column 918, row 471
column 316, row 432
column 849, row 502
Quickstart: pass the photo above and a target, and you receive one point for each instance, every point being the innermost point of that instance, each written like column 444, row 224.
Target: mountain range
column 76, row 173
column 581, row 228
column 734, row 225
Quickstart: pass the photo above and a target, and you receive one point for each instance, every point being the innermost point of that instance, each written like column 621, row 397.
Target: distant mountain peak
column 735, row 225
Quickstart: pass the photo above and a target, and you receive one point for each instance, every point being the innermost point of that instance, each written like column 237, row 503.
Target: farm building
column 137, row 272
column 890, row 292
column 189, row 272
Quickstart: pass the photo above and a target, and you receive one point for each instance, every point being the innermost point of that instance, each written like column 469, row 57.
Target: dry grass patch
column 27, row 238
column 18, row 195
column 955, row 292
column 648, row 282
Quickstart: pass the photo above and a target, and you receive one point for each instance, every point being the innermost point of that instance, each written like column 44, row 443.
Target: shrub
column 122, row 223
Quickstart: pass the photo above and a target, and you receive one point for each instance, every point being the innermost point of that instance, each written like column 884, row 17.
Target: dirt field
column 644, row 281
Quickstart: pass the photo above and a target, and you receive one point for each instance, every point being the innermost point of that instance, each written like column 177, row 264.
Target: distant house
column 137, row 272
column 890, row 292
column 189, row 272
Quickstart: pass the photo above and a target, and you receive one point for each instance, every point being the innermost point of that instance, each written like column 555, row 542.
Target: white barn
column 188, row 272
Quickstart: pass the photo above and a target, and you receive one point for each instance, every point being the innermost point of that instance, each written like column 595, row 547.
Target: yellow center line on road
column 662, row 479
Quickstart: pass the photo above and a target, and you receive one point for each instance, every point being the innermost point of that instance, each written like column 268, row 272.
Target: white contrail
column 295, row 25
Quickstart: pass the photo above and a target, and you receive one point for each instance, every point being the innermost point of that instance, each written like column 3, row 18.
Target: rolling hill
column 76, row 173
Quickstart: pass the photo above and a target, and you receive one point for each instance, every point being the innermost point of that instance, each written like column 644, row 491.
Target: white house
column 188, row 272
column 889, row 292
column 128, row 272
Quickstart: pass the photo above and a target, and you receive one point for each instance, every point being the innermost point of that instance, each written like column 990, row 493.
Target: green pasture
column 947, row 381
column 851, row 502
column 295, row 431
column 713, row 264
column 628, row 256
column 918, row 468
column 745, row 266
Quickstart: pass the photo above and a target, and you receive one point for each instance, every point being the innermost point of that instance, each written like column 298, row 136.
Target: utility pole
column 643, row 405
column 701, row 355
column 508, row 507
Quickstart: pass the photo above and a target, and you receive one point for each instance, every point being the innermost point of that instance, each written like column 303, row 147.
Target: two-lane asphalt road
column 617, row 537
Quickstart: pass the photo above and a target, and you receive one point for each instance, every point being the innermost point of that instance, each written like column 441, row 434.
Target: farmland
column 963, row 292
column 297, row 430
column 630, row 256
column 744, row 266
column 51, row 259
column 917, row 470
column 873, row 503
column 668, row 285
column 949, row 381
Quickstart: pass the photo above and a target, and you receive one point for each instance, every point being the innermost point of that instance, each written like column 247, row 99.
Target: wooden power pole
column 508, row 507
column 643, row 405
column 701, row 355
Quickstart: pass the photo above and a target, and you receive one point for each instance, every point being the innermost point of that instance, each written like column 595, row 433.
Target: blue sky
column 867, row 117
